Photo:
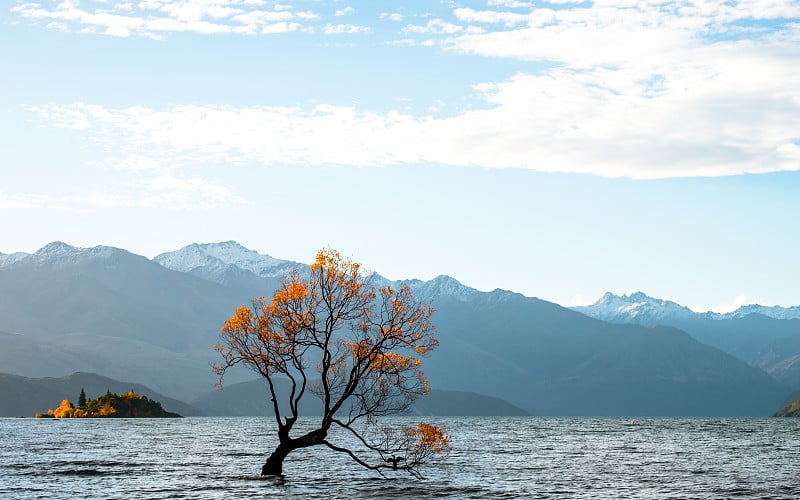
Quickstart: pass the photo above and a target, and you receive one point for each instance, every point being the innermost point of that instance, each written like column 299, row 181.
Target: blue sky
column 560, row 149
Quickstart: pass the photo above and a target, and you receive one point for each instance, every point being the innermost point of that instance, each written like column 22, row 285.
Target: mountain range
column 764, row 337
column 25, row 396
column 643, row 309
column 109, row 311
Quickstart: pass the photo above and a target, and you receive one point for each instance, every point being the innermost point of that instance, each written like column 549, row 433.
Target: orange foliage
column 430, row 438
column 64, row 410
column 368, row 342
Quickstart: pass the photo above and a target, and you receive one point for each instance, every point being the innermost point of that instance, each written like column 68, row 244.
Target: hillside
column 764, row 337
column 111, row 312
column 108, row 311
column 251, row 399
column 24, row 396
column 553, row 361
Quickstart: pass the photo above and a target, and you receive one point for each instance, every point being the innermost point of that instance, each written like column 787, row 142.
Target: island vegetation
column 365, row 344
column 126, row 405
column 790, row 410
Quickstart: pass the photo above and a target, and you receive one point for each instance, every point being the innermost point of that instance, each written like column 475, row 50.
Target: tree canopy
column 357, row 347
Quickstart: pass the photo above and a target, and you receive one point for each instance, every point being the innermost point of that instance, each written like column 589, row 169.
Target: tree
column 366, row 345
column 82, row 399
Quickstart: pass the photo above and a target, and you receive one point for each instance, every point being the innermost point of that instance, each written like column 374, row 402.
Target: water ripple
column 211, row 458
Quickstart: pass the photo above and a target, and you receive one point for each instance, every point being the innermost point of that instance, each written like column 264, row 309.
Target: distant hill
column 251, row 399
column 553, row 361
column 24, row 396
column 108, row 311
column 764, row 337
column 441, row 402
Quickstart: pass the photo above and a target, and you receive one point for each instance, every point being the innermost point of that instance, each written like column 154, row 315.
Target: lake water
column 491, row 458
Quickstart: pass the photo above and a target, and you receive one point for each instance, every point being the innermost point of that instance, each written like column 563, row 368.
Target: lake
column 527, row 457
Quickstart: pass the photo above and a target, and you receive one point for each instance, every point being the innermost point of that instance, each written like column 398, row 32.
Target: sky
column 558, row 149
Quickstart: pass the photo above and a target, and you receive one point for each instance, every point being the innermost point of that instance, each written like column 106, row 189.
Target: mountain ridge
column 129, row 317
column 749, row 333
column 640, row 306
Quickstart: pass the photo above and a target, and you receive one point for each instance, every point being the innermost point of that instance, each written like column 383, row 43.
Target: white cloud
column 434, row 26
column 146, row 188
column 511, row 4
column 490, row 16
column 345, row 12
column 738, row 302
column 345, row 29
column 394, row 16
column 154, row 18
column 638, row 89
column 580, row 300
column 737, row 114
column 8, row 201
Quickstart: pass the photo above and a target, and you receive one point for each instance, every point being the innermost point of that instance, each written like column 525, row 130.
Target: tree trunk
column 274, row 464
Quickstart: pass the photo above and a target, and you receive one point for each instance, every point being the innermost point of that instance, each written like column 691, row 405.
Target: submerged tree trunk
column 274, row 464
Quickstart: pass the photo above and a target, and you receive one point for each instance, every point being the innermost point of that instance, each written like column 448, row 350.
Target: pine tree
column 82, row 399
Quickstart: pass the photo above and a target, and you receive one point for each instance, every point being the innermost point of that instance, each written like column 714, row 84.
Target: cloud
column 154, row 189
column 563, row 121
column 738, row 302
column 345, row 29
column 490, row 16
column 394, row 16
column 434, row 26
column 637, row 89
column 511, row 4
column 580, row 300
column 155, row 18
column 345, row 12
column 8, row 201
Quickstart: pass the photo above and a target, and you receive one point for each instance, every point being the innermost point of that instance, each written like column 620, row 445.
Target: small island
column 792, row 410
column 110, row 405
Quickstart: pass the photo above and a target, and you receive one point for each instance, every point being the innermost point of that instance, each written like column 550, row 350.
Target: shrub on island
column 127, row 405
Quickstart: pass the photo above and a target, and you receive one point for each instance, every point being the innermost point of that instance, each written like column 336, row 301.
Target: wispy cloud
column 738, row 301
column 526, row 124
column 155, row 189
column 434, row 26
column 638, row 89
column 22, row 200
column 393, row 16
column 155, row 18
column 347, row 11
column 345, row 29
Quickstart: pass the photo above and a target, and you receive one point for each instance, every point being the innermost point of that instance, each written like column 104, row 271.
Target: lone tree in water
column 365, row 345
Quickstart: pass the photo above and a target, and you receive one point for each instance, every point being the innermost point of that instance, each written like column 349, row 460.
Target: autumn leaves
column 366, row 345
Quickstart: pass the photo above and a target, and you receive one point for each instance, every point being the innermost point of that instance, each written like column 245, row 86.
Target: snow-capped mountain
column 642, row 309
column 776, row 312
column 440, row 286
column 58, row 253
column 216, row 259
column 223, row 262
column 8, row 260
column 634, row 308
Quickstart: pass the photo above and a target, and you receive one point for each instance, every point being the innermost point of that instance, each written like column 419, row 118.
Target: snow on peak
column 440, row 286
column 7, row 260
column 776, row 312
column 221, row 255
column 637, row 307
column 59, row 252
column 643, row 309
